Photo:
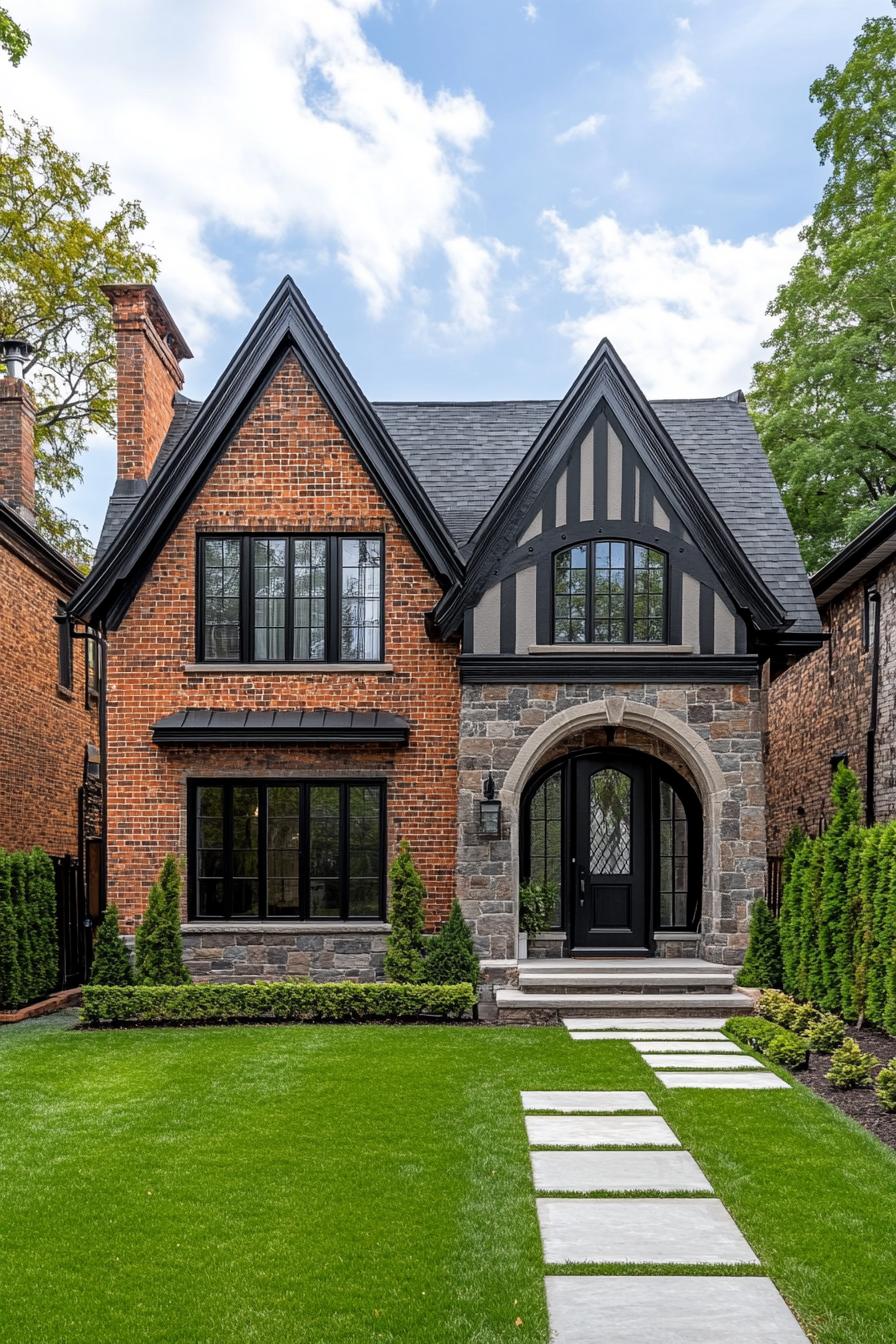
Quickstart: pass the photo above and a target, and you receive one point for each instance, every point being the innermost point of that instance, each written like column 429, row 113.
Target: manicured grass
column 331, row 1185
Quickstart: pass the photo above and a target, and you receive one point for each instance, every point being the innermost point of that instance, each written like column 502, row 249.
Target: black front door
column 611, row 841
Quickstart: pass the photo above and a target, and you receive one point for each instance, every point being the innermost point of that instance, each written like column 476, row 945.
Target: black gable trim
column 286, row 325
column 605, row 384
column 23, row 538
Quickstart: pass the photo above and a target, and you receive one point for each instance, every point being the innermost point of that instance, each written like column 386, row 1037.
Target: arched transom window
column 609, row 592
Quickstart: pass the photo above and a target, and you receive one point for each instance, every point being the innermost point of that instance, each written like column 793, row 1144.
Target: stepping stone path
column 661, row 1209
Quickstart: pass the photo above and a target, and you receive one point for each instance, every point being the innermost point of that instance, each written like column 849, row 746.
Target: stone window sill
column 64, row 692
column 281, row 669
column 627, row 649
column 673, row 936
column 270, row 927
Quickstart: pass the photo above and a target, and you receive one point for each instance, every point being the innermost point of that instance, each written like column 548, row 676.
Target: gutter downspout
column 871, row 735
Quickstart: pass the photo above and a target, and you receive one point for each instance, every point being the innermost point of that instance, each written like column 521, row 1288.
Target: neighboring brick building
column 840, row 701
column 48, row 712
column 330, row 623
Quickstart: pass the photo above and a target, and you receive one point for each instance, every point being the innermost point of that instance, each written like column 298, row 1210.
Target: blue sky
column 470, row 192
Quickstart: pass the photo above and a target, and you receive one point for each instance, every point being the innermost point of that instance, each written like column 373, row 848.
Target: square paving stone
column 644, row 1023
column 660, row 1047
column 642, row 1034
column 583, row 1173
column 744, row 1080
column 586, row 1101
column 696, row 1061
column 697, row 1309
column 636, row 1231
column 599, row 1131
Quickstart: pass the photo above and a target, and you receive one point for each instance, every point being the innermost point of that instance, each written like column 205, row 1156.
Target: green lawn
column 336, row 1184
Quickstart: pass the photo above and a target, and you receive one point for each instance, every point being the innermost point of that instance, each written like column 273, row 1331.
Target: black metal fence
column 73, row 922
column 774, row 884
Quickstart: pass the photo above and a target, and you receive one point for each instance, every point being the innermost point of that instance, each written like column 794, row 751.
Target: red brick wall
column 289, row 468
column 817, row 709
column 43, row 733
column 148, row 375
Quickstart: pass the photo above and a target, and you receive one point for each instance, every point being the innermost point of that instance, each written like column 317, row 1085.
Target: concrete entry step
column 635, row 975
column 529, row 1008
column 686, row 1309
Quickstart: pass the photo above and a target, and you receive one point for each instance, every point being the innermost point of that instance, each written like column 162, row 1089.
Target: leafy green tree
column 835, row 933
column 62, row 237
column 762, row 964
column 158, row 950
column 13, row 39
column 450, row 955
column 10, row 979
column 111, row 962
column 404, row 953
column 824, row 400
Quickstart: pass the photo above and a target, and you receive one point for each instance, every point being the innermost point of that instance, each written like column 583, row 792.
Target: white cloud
column 622, row 181
column 672, row 82
column 583, row 130
column 274, row 127
column 683, row 24
column 475, row 265
column 684, row 310
column 530, row 11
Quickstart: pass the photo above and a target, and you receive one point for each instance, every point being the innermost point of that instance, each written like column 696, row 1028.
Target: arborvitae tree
column 835, row 933
column 762, row 964
column 789, row 918
column 809, row 969
column 869, row 853
column 889, row 1014
column 450, row 956
column 883, row 902
column 159, row 955
column 19, row 896
column 404, row 952
column 111, row 962
column 43, row 922
column 10, row 980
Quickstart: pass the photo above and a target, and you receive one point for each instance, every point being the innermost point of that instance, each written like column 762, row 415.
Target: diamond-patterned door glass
column 611, row 822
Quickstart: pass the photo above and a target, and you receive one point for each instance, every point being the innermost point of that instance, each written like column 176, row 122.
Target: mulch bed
column 860, row 1103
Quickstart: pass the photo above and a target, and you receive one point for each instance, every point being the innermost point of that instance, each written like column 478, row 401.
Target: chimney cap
column 13, row 353
column 159, row 315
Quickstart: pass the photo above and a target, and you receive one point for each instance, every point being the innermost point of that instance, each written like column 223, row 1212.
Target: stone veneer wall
column 243, row 953
column 496, row 724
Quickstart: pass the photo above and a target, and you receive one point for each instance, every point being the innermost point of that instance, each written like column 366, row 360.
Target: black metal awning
column 227, row 727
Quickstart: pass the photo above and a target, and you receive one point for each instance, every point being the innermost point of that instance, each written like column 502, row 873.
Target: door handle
column 581, row 888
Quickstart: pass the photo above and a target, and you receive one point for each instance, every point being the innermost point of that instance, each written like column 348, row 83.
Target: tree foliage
column 762, row 964
column 111, row 962
column 824, row 400
column 158, row 946
column 29, row 939
column 404, row 954
column 450, row 955
column 13, row 39
column 62, row 237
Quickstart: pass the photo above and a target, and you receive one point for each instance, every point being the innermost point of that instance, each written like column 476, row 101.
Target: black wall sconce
column 489, row 811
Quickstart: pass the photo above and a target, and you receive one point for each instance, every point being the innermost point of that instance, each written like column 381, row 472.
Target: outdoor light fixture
column 14, row 353
column 489, row 811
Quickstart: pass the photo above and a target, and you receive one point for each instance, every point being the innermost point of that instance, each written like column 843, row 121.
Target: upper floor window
column 609, row 592
column 91, row 668
column 303, row 599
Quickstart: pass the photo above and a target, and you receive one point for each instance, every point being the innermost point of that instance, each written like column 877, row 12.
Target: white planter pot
column 522, row 946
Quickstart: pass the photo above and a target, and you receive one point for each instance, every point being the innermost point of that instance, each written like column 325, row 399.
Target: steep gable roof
column 286, row 324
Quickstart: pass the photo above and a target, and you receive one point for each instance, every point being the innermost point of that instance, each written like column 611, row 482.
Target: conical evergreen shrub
column 18, row 874
column 762, row 964
column 111, row 961
column 450, row 956
column 889, row 1013
column 809, row 976
column 404, row 949
column 863, row 939
column 789, row 918
column 11, row 995
column 883, row 917
column 158, row 951
column 835, row 931
column 44, row 928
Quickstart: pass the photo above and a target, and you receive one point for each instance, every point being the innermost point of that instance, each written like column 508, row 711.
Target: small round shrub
column 777, row 1007
column 885, row 1087
column 851, row 1066
column 824, row 1034
column 786, row 1050
column 537, row 903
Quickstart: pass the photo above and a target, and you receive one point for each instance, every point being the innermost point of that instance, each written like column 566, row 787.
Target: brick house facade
column 334, row 625
column 49, row 714
column 840, row 701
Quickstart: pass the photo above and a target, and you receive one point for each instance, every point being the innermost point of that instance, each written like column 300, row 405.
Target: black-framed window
column 64, row 670
column 674, row 859
column 545, row 838
column 278, row 598
column 91, row 668
column 610, row 592
column 287, row 849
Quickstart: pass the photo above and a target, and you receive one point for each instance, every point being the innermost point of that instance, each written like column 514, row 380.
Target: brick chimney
column 149, row 351
column 16, row 431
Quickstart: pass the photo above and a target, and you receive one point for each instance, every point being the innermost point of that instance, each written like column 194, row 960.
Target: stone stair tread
column 568, row 1003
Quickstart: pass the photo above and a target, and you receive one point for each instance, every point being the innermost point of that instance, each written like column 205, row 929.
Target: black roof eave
column 875, row 544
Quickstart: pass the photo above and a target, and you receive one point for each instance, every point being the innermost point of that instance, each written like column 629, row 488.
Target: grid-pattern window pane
column 360, row 605
column 283, row 841
column 649, row 595
column 570, row 596
column 269, row 577
column 546, row 837
column 244, row 854
column 323, row 850
column 609, row 593
column 673, row 859
column 209, row 842
column 310, row 599
column 364, row 850
column 221, row 588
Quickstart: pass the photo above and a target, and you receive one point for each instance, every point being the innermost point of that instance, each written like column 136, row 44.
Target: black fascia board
column 37, row 551
column 836, row 576
column 607, row 668
column 286, row 324
column 606, row 379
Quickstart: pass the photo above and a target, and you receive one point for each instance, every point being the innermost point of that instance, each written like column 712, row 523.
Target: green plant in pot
column 538, row 901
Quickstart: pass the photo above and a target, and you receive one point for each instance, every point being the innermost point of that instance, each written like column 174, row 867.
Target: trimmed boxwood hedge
column 273, row 1001
column 776, row 1043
